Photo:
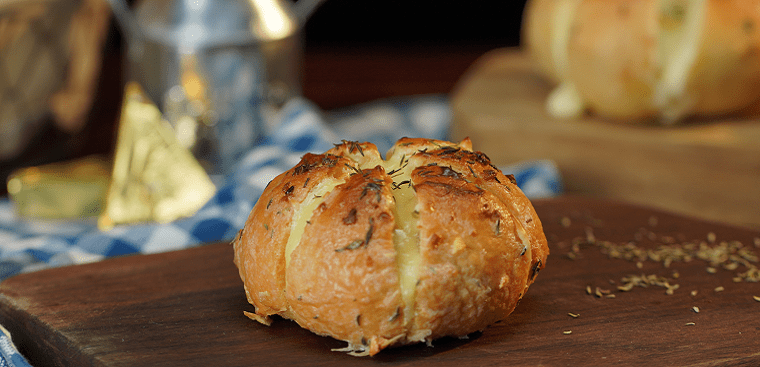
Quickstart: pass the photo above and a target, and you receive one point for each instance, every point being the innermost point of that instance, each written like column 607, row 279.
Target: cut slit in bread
column 406, row 238
column 345, row 229
column 681, row 28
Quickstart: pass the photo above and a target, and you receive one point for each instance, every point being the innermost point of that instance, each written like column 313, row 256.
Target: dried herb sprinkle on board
column 645, row 281
column 719, row 255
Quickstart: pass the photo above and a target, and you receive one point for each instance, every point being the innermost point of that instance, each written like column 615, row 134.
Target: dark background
column 352, row 23
column 359, row 51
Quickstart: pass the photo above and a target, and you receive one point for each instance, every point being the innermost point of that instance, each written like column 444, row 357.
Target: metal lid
column 203, row 23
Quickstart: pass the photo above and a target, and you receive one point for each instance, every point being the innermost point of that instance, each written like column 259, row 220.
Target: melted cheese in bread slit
column 564, row 101
column 351, row 150
column 304, row 212
column 678, row 45
column 406, row 237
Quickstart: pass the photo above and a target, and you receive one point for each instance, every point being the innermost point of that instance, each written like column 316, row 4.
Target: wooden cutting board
column 185, row 308
column 705, row 168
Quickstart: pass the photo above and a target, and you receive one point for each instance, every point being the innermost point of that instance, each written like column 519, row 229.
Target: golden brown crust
column 472, row 273
column 484, row 219
column 260, row 248
column 480, row 244
column 342, row 279
column 364, row 154
column 477, row 168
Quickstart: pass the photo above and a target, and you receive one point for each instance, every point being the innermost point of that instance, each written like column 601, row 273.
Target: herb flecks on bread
column 433, row 241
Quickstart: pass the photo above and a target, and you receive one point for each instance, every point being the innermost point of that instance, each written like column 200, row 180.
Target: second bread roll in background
column 652, row 59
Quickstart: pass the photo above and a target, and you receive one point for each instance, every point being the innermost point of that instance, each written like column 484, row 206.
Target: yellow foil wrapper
column 72, row 189
column 154, row 178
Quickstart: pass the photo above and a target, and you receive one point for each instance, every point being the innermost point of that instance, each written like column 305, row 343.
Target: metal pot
column 216, row 68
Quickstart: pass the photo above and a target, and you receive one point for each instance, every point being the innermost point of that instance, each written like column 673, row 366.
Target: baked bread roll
column 649, row 59
column 434, row 241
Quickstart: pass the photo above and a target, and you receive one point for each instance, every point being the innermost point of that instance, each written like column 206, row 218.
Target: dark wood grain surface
column 186, row 307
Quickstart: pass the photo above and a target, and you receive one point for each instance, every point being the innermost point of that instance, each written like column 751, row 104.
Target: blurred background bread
column 634, row 60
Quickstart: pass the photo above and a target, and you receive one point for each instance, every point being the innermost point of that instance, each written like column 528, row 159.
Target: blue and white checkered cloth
column 9, row 356
column 29, row 245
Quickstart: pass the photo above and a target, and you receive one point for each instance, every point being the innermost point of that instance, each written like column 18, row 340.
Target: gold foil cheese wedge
column 71, row 189
column 154, row 178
